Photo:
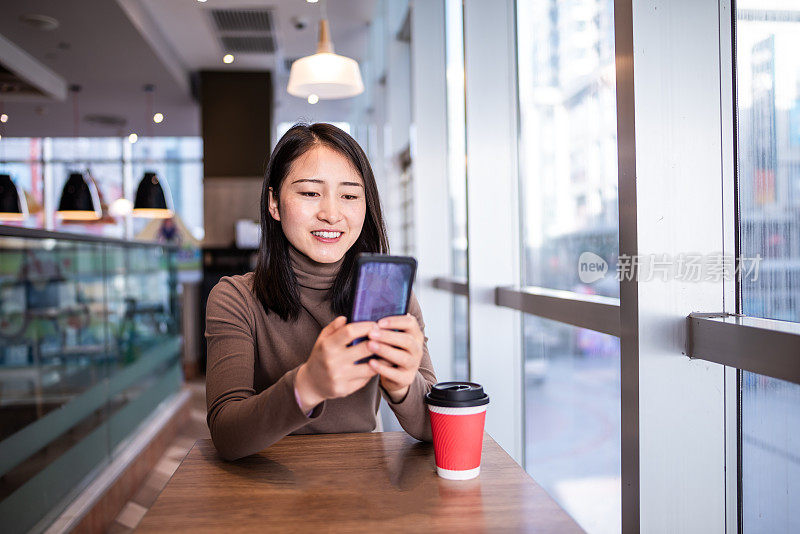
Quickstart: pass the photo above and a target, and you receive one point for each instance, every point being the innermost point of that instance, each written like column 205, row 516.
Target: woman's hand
column 402, row 352
column 330, row 371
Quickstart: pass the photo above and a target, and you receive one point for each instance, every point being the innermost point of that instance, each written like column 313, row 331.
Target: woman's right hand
column 330, row 372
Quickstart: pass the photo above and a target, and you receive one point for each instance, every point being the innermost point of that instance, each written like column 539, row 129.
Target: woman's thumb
column 334, row 325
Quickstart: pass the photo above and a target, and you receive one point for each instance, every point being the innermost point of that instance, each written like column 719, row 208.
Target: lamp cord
column 75, row 89
column 75, row 114
column 149, row 89
column 2, row 141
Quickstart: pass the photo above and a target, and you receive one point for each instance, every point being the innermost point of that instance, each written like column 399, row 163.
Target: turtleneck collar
column 312, row 274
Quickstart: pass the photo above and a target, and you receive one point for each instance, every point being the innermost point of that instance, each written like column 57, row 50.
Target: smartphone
column 382, row 288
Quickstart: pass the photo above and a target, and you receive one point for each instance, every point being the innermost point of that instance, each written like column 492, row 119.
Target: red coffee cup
column 458, row 414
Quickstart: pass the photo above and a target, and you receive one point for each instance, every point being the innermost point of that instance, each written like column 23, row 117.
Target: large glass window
column 179, row 161
column 460, row 307
column 768, row 154
column 21, row 158
column 41, row 166
column 572, row 419
column 568, row 141
column 569, row 215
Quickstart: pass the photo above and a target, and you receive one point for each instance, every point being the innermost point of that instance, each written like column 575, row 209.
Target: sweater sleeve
column 242, row 422
column 411, row 412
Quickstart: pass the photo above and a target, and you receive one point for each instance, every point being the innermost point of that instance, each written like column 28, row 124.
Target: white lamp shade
column 327, row 75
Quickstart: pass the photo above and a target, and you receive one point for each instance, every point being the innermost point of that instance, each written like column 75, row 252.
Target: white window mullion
column 676, row 189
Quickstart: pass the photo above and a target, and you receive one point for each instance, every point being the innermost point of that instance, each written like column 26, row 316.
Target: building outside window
column 569, row 212
column 41, row 166
column 768, row 157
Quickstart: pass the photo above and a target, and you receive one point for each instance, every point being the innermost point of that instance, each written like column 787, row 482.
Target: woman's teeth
column 328, row 235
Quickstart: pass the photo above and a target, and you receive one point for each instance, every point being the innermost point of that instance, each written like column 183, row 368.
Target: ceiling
column 113, row 48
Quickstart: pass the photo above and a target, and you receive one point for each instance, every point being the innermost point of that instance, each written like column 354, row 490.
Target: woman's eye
column 350, row 197
column 309, row 193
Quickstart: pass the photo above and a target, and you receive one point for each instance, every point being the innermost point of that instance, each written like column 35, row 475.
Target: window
column 568, row 175
column 768, row 154
column 572, row 419
column 41, row 166
column 21, row 157
column 179, row 161
column 568, row 146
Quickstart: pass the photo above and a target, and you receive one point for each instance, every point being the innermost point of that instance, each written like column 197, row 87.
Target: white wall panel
column 677, row 194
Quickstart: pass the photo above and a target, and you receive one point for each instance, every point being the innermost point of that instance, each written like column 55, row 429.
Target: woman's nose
column 329, row 210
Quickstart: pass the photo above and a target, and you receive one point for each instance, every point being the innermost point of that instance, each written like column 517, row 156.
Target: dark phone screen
column 382, row 290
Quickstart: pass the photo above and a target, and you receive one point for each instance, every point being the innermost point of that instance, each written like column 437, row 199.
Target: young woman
column 278, row 355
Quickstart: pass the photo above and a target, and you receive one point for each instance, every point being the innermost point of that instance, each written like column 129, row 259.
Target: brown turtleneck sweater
column 253, row 358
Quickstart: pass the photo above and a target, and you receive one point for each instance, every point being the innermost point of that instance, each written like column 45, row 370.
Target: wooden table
column 383, row 481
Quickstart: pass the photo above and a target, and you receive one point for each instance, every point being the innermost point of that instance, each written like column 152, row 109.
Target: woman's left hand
column 401, row 352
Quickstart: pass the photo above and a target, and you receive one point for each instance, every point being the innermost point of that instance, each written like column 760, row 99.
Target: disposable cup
column 458, row 414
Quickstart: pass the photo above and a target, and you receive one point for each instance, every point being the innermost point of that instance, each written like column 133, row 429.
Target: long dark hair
column 274, row 282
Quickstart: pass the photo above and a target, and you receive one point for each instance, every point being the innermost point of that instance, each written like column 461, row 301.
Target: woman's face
column 321, row 205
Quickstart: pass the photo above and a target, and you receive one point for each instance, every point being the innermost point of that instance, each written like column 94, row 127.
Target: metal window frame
column 739, row 341
column 730, row 244
column 451, row 285
column 592, row 312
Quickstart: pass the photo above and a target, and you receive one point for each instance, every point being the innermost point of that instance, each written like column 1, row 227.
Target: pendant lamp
column 153, row 199
column 325, row 74
column 79, row 199
column 13, row 206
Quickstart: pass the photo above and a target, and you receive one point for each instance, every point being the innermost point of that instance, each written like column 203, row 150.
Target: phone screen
column 382, row 290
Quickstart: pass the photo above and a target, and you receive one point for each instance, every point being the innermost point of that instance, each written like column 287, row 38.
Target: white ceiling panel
column 112, row 48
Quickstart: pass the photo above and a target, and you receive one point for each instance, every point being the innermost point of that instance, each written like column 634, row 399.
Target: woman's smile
column 327, row 236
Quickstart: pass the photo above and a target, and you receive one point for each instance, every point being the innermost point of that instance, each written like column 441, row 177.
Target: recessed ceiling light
column 158, row 117
column 132, row 138
column 227, row 58
column 202, row 1
column 3, row 118
column 39, row 22
column 312, row 1
column 313, row 99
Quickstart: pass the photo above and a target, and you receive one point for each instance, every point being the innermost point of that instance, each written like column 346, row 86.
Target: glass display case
column 89, row 346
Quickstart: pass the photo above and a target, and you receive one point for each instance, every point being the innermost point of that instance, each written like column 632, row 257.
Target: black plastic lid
column 457, row 395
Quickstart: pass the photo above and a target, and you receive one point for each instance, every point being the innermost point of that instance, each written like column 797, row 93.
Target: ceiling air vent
column 106, row 120
column 248, row 45
column 242, row 20
column 244, row 31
